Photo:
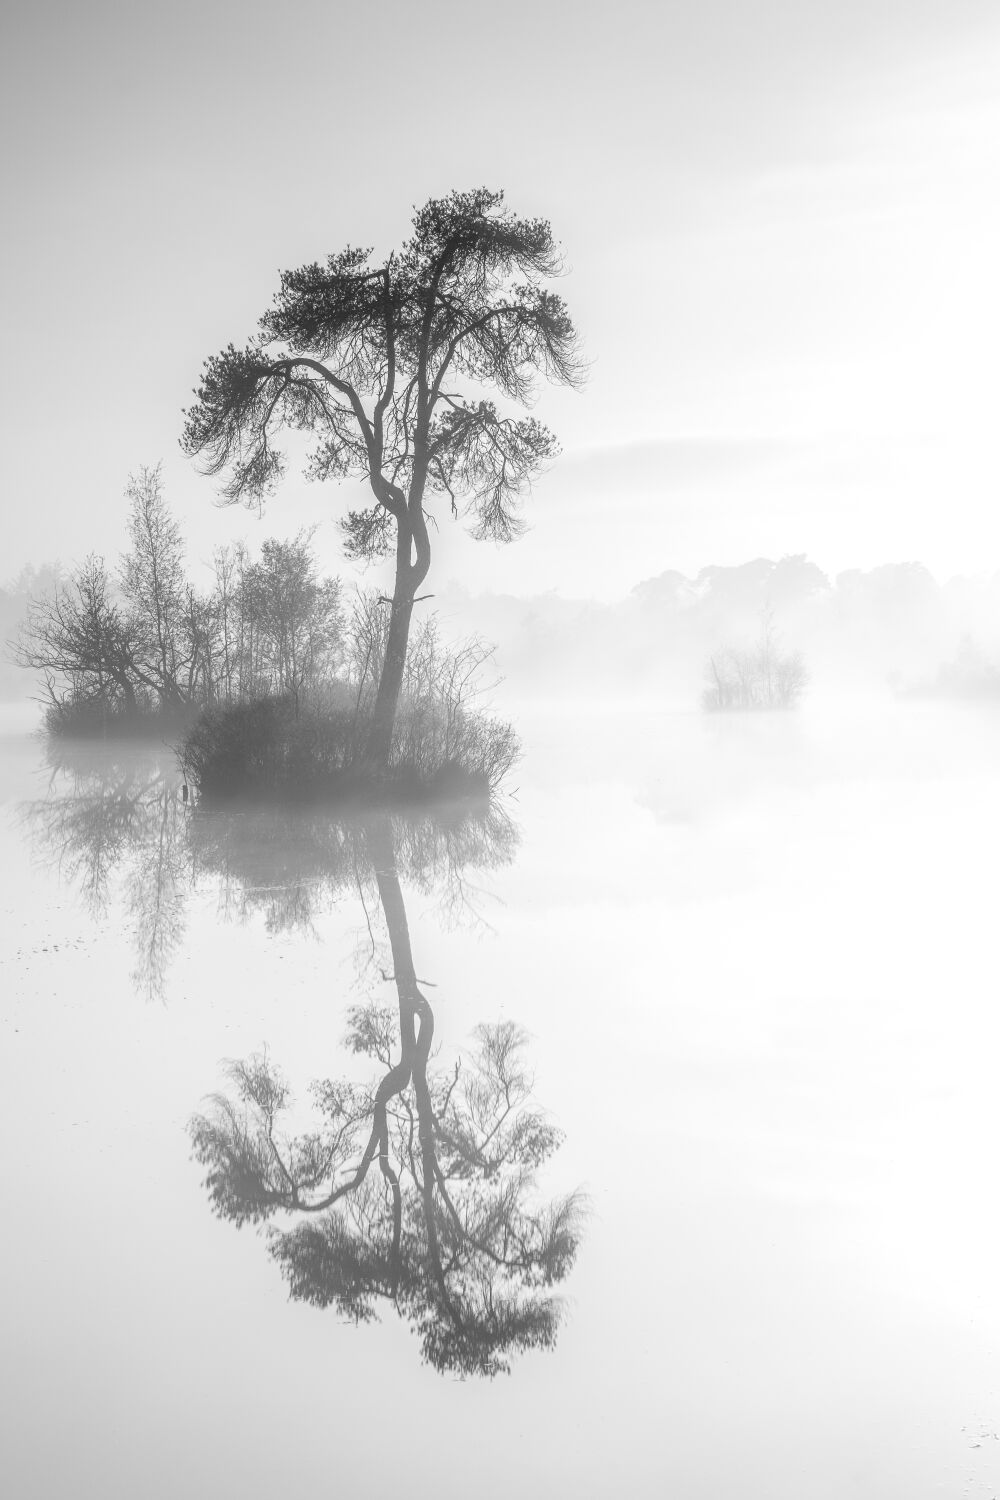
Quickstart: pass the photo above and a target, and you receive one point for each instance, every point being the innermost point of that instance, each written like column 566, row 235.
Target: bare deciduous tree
column 297, row 617
column 761, row 677
column 82, row 642
column 154, row 585
column 110, row 650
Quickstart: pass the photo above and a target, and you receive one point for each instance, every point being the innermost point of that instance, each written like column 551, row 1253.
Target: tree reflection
column 115, row 823
column 451, row 1230
column 117, row 815
column 289, row 865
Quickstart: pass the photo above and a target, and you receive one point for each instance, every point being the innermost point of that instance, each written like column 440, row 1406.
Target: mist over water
column 627, row 1128
column 753, row 960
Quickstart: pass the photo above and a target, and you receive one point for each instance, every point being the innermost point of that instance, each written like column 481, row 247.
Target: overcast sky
column 781, row 219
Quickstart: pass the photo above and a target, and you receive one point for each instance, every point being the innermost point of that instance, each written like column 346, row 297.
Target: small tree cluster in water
column 761, row 677
column 272, row 677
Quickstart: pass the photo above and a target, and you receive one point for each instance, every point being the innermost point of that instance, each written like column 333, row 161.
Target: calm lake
column 753, row 963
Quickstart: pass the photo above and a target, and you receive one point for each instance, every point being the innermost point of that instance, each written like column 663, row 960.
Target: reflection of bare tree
column 157, row 894
column 451, row 1231
column 116, row 815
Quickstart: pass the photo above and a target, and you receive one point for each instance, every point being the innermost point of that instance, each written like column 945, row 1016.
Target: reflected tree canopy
column 114, row 823
column 417, row 1191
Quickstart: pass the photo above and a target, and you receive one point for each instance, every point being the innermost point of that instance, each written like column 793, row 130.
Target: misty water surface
column 741, row 977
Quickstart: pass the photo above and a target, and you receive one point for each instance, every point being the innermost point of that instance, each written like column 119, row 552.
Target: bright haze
column 780, row 222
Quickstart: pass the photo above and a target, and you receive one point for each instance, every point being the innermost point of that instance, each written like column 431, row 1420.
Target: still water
column 654, row 1150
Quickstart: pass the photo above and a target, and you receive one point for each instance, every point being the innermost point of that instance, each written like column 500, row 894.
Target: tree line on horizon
column 893, row 624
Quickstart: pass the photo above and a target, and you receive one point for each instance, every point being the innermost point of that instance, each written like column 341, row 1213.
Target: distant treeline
column 892, row 626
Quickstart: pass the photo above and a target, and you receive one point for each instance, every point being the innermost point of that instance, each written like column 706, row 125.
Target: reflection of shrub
column 293, row 862
column 762, row 677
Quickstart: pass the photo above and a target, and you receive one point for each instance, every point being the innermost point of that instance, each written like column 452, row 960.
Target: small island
column 272, row 686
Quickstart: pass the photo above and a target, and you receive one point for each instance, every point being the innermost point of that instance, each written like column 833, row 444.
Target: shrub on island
column 102, row 717
column 266, row 749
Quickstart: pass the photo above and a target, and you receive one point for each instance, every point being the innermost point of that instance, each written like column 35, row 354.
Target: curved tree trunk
column 409, row 576
column 391, row 678
column 413, row 1005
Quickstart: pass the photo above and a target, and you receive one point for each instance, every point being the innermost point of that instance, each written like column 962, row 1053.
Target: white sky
column 781, row 218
